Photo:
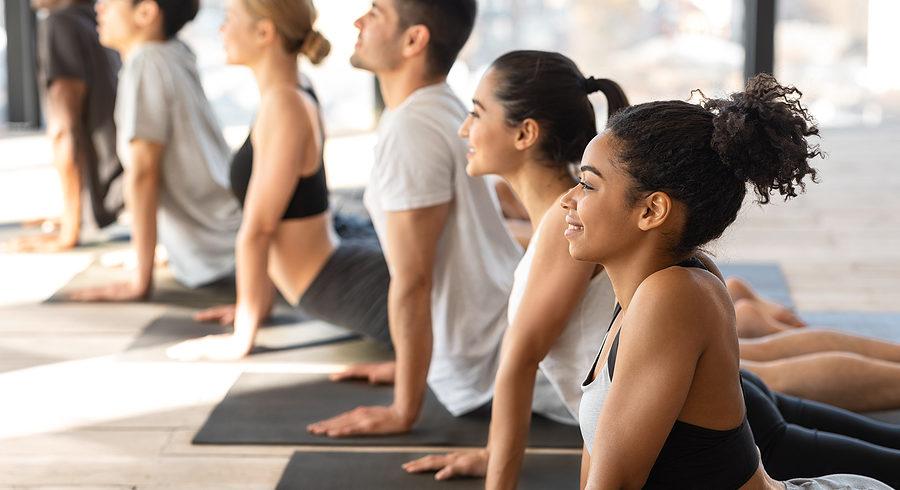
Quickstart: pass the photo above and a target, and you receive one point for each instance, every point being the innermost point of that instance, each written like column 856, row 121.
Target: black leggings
column 804, row 438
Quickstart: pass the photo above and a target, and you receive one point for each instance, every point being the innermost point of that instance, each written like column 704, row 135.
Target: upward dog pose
column 78, row 78
column 450, row 257
column 663, row 402
column 286, row 235
column 554, row 332
column 172, row 149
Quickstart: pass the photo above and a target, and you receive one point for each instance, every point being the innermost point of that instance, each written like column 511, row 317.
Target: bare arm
column 412, row 239
column 65, row 106
column 142, row 191
column 661, row 341
column 285, row 146
column 556, row 285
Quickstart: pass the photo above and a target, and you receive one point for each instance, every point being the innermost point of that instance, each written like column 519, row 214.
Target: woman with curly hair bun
column 664, row 396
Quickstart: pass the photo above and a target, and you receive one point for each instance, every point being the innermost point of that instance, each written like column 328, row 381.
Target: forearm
column 254, row 288
column 510, row 421
column 409, row 310
column 143, row 199
column 66, row 162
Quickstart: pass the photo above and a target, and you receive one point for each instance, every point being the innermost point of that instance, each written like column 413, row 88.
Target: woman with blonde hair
column 287, row 233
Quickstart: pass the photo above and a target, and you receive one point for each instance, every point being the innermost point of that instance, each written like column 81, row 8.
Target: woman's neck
column 628, row 271
column 539, row 187
column 276, row 70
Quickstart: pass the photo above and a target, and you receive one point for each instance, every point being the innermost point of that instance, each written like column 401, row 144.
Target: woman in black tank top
column 664, row 179
column 287, row 236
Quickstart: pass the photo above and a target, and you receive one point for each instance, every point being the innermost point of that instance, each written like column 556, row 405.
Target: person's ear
column 415, row 40
column 265, row 32
column 654, row 211
column 527, row 134
column 146, row 13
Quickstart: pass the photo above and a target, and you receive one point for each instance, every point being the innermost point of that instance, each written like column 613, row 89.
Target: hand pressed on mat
column 376, row 373
column 472, row 463
column 364, row 421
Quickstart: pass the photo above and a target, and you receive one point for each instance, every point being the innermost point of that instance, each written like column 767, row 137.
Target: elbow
column 256, row 233
column 408, row 284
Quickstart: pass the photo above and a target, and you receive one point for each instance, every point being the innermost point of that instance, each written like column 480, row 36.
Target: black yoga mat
column 346, row 470
column 276, row 408
column 767, row 279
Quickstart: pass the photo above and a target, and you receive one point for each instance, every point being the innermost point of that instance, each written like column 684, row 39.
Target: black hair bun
column 761, row 135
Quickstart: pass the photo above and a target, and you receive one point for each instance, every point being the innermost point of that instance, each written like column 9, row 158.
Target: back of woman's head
column 550, row 89
column 295, row 21
column 705, row 155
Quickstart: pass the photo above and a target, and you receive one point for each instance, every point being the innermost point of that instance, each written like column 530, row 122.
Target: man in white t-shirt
column 175, row 158
column 449, row 253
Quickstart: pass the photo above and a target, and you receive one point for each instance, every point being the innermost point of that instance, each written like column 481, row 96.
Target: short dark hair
column 176, row 13
column 449, row 23
column 549, row 88
column 705, row 155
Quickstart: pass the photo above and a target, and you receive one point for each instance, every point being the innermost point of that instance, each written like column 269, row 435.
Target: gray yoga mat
column 284, row 331
column 345, row 470
column 276, row 408
column 767, row 279
column 166, row 290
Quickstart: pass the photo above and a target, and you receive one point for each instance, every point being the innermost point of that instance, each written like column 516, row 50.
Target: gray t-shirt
column 161, row 100
column 69, row 48
column 420, row 161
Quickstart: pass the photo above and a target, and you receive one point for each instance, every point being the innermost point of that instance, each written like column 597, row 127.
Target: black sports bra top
column 311, row 194
column 694, row 456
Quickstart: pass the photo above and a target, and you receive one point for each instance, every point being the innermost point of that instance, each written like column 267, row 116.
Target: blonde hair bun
column 315, row 47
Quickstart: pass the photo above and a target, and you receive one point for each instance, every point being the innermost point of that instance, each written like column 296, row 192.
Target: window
column 655, row 49
column 346, row 94
column 842, row 55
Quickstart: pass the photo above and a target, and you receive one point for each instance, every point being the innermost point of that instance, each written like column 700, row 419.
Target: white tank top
column 573, row 352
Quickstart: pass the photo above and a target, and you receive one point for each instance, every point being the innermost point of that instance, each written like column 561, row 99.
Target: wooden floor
column 75, row 414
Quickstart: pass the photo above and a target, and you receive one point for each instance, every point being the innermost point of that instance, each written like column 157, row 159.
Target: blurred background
column 838, row 52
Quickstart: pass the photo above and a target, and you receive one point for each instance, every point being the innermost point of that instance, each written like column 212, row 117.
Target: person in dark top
column 287, row 234
column 78, row 78
column 661, row 181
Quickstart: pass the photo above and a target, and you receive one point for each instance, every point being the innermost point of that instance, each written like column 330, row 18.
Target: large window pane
column 347, row 95
column 656, row 49
column 842, row 54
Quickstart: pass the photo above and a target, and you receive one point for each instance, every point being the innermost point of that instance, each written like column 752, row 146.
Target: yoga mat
column 767, row 279
column 276, row 408
column 885, row 326
column 343, row 470
column 282, row 332
column 166, row 290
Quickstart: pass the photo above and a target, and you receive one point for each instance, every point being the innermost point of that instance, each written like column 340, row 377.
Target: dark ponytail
column 549, row 88
column 705, row 155
column 616, row 99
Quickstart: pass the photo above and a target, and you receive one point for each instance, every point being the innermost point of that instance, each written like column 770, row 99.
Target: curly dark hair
column 705, row 155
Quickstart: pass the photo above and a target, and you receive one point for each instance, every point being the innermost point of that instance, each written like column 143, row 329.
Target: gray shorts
column 351, row 290
column 835, row 482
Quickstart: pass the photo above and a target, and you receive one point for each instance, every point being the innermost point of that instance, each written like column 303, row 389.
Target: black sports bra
column 311, row 194
column 698, row 457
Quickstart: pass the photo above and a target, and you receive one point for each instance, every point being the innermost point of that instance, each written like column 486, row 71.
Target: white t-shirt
column 160, row 99
column 420, row 161
column 573, row 352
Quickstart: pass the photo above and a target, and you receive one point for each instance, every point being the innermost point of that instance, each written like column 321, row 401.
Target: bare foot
column 741, row 290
